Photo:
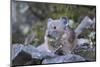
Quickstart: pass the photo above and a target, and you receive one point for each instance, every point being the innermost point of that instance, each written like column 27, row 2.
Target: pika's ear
column 49, row 22
column 64, row 20
column 50, row 19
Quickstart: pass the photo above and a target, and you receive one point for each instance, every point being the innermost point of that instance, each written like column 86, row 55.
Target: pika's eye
column 54, row 27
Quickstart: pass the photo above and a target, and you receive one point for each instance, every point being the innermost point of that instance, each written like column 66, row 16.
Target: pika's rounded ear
column 64, row 20
column 49, row 22
column 50, row 19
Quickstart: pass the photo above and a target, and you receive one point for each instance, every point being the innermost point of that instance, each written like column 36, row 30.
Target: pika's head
column 55, row 28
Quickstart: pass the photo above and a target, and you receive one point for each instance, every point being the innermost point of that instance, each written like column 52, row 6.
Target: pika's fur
column 59, row 36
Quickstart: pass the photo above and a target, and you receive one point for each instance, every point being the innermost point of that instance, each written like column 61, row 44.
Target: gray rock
column 62, row 59
column 21, row 59
column 32, row 51
column 17, row 48
column 22, row 55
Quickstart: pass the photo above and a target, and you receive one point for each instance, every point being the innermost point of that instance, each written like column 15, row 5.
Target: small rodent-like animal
column 59, row 36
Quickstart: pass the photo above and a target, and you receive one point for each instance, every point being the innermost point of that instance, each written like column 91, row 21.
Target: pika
column 59, row 36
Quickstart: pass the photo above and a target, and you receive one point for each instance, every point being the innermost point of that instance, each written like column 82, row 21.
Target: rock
column 21, row 59
column 81, row 41
column 32, row 51
column 24, row 55
column 45, row 52
column 86, row 22
column 27, row 54
column 15, row 50
column 62, row 59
